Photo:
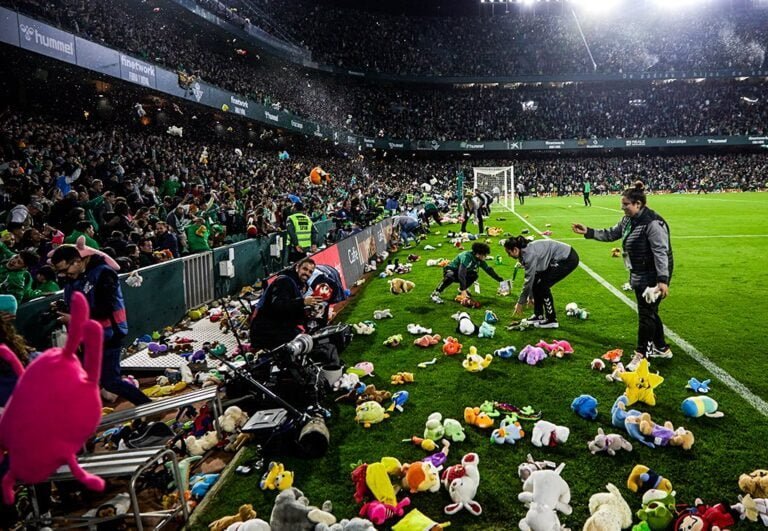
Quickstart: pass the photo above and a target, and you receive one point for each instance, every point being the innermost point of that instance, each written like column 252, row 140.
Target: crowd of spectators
column 176, row 39
column 631, row 39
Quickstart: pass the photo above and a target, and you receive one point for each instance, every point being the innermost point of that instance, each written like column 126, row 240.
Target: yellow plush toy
column 640, row 384
column 276, row 477
column 642, row 479
column 418, row 521
column 377, row 478
column 475, row 362
column 398, row 286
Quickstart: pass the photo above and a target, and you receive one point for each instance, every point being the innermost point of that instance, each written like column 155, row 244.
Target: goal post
column 499, row 182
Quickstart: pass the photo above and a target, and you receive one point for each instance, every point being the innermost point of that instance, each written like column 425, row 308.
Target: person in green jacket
column 15, row 278
column 45, row 280
column 85, row 229
column 463, row 269
column 197, row 236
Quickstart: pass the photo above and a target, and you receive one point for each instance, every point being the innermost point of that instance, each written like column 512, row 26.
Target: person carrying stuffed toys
column 94, row 273
column 463, row 269
column 406, row 226
column 648, row 256
column 546, row 263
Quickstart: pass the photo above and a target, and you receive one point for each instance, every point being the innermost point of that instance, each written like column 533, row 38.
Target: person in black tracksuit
column 546, row 263
column 647, row 254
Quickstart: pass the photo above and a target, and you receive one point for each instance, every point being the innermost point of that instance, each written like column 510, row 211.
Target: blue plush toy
column 491, row 317
column 506, row 352
column 201, row 483
column 585, row 406
column 486, row 330
column 697, row 406
column 697, row 386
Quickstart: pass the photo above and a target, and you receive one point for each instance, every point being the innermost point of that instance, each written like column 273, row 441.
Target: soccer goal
column 499, row 182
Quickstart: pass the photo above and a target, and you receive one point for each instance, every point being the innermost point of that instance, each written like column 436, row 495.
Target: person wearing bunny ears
column 94, row 274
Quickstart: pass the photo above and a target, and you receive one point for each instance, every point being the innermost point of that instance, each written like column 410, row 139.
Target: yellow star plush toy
column 640, row 384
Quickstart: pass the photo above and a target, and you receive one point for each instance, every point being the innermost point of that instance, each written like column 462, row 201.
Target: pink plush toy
column 378, row 512
column 558, row 347
column 55, row 407
column 532, row 355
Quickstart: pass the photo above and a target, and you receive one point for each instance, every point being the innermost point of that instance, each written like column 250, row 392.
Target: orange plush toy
column 317, row 175
column 451, row 346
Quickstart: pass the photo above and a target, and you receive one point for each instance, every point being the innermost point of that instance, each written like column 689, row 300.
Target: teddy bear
column 245, row 513
column 386, row 313
column 276, row 477
column 427, row 340
column 292, row 512
column 609, row 511
column 398, row 286
column 417, row 329
column 608, row 443
column 474, row 417
column 401, row 378
column 371, row 393
column 451, row 346
column 364, row 328
column 547, row 434
column 200, row 445
column 232, row 419
column 755, row 483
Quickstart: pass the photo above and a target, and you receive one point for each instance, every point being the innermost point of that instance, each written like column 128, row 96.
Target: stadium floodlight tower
column 499, row 181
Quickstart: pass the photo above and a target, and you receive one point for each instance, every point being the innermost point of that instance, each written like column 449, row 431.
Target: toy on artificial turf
column 462, row 482
column 585, row 406
column 705, row 517
column 609, row 443
column 382, row 314
column 464, row 324
column 642, row 479
column 378, row 512
column 475, row 417
column 755, row 483
column 531, row 355
column 608, row 511
column 664, row 435
column 420, row 476
column 559, row 348
column 658, row 510
column 398, row 401
column 451, row 346
column 369, row 413
column 524, row 470
column 486, row 330
column 546, row 433
column 399, row 285
column 474, row 362
column 393, row 341
column 613, row 356
column 427, row 340
column 597, row 364
column 364, row 328
column 508, row 432
column 629, row 420
column 506, row 352
column 276, row 477
column 697, row 406
column 401, row 378
column 418, row 521
column 362, row 369
column 640, row 384
column 417, row 329
column 698, row 387
column 545, row 493
column 489, row 407
column 490, row 317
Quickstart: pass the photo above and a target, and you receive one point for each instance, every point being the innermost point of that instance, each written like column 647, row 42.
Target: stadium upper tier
column 635, row 38
column 175, row 38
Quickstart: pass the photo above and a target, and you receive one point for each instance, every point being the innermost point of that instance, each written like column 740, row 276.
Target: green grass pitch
column 716, row 305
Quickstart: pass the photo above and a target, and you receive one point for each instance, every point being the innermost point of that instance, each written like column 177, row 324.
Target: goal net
column 499, row 182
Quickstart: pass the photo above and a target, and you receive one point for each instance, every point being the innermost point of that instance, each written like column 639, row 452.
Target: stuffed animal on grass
column 378, row 512
column 433, row 428
column 371, row 393
column 382, row 314
column 609, row 444
column 369, row 413
column 375, row 479
column 642, row 479
column 417, row 329
column 401, row 378
column 531, row 355
column 427, row 340
column 608, row 511
column 547, row 434
column 697, row 406
column 558, row 348
column 451, row 346
column 464, row 324
column 233, row 419
column 506, row 352
column 475, row 417
column 393, row 341
column 640, row 384
column 755, row 483
column 276, row 477
column 665, row 435
column 66, row 408
column 398, row 286
column 545, row 493
column 292, row 512
column 467, row 301
column 752, row 509
column 476, row 363
column 491, row 317
column 508, row 432
column 244, row 514
column 364, row 328
column 585, row 406
column 697, row 386
column 462, row 485
column 418, row 521
column 524, row 470
column 421, row 476
column 704, row 517
column 658, row 510
column 486, row 330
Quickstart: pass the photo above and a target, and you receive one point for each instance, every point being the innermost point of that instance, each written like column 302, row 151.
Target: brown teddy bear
column 399, row 285
column 371, row 393
column 755, row 483
column 244, row 514
column 682, row 438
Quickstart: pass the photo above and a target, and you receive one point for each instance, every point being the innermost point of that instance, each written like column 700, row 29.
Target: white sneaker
column 436, row 298
column 546, row 324
column 636, row 359
column 666, row 353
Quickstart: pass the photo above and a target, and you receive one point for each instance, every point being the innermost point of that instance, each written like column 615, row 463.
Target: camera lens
column 301, row 344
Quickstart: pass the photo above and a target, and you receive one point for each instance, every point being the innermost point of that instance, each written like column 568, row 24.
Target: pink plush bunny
column 54, row 408
column 558, row 347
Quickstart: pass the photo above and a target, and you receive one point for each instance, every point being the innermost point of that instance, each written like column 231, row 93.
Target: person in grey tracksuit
column 546, row 263
column 647, row 253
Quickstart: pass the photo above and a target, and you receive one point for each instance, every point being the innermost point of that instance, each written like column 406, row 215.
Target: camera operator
column 283, row 312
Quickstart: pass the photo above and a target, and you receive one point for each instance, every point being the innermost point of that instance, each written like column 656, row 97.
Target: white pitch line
column 739, row 388
column 604, row 208
column 701, row 237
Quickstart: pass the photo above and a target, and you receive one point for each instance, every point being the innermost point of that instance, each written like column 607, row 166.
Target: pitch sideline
column 739, row 388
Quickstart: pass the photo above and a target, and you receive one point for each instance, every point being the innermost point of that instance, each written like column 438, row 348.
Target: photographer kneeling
column 283, row 311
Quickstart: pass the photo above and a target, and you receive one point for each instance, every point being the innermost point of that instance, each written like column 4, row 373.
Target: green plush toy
column 658, row 509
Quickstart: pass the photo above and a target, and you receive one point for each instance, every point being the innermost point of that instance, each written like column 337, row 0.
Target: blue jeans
column 112, row 381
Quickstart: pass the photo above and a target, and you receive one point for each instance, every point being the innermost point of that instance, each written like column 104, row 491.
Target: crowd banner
column 39, row 37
